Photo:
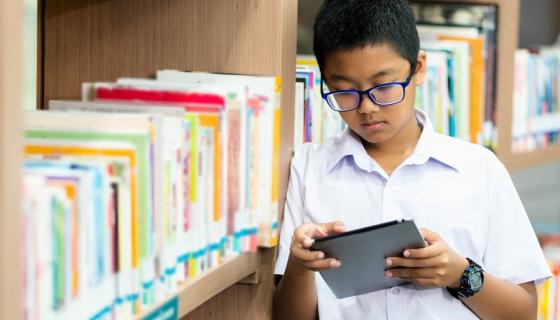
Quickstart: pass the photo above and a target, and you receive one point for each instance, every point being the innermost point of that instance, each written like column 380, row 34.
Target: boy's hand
column 436, row 265
column 303, row 238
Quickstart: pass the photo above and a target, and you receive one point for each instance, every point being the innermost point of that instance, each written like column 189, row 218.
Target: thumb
column 332, row 228
column 430, row 236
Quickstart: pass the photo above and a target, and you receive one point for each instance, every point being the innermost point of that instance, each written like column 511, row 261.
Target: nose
column 367, row 105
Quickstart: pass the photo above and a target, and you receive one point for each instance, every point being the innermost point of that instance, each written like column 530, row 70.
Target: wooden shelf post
column 11, row 80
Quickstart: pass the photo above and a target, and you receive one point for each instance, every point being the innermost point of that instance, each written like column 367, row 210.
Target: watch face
column 475, row 281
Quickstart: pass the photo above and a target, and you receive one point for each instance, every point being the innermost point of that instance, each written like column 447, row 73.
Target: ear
column 420, row 68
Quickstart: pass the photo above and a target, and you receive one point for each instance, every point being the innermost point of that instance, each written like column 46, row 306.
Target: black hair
column 350, row 24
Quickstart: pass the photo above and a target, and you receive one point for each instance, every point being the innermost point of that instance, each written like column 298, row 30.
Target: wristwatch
column 471, row 281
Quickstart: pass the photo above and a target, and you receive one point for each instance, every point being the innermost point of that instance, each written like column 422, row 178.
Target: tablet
column 362, row 253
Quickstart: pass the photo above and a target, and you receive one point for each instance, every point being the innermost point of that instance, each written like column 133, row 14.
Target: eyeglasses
column 383, row 95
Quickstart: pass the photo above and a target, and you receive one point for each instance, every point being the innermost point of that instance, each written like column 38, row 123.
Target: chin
column 375, row 138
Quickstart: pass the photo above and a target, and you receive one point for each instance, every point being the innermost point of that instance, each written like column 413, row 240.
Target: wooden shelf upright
column 11, row 79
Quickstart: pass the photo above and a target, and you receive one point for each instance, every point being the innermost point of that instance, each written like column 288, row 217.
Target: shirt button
column 395, row 290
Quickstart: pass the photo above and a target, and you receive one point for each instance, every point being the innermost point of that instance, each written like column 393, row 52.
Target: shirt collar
column 350, row 144
column 431, row 145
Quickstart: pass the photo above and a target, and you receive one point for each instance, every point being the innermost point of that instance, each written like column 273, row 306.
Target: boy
column 482, row 258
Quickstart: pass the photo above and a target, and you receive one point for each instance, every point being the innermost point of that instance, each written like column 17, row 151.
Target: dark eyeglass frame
column 367, row 92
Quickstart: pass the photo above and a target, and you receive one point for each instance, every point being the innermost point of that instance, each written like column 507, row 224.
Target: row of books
column 458, row 92
column 314, row 121
column 536, row 106
column 144, row 184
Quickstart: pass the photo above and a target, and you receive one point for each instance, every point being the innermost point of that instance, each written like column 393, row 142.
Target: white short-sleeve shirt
column 457, row 189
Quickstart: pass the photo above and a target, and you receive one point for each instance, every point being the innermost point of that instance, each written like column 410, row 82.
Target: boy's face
column 363, row 68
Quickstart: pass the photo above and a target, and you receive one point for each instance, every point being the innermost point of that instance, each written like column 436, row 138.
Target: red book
column 190, row 101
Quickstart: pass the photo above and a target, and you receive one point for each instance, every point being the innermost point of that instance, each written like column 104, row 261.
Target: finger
column 412, row 273
column 304, row 234
column 414, row 262
column 305, row 255
column 427, row 252
column 430, row 236
column 332, row 227
column 323, row 264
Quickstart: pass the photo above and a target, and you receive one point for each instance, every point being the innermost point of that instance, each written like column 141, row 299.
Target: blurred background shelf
column 526, row 160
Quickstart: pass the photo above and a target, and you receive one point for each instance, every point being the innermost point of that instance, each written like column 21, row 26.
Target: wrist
column 461, row 266
column 297, row 270
column 471, row 281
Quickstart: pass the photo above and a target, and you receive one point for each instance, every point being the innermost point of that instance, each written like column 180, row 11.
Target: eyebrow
column 338, row 77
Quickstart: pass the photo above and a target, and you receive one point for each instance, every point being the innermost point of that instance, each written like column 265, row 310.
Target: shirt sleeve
column 293, row 208
column 512, row 251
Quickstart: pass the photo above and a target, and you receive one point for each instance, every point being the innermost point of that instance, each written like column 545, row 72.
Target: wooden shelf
column 524, row 160
column 11, row 65
column 194, row 292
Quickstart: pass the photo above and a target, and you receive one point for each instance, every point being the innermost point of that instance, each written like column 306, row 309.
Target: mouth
column 373, row 125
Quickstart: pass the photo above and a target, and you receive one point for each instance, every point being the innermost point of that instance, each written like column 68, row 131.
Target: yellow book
column 213, row 121
column 275, row 165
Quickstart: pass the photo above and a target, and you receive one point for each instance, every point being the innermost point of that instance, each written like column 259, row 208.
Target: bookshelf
column 195, row 292
column 507, row 34
column 11, row 70
column 101, row 40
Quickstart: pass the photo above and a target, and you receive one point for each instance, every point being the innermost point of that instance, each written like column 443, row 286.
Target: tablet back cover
column 363, row 254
